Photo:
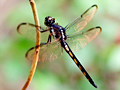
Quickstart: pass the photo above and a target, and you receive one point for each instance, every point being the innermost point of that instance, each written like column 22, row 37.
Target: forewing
column 80, row 22
column 80, row 40
column 48, row 52
column 29, row 31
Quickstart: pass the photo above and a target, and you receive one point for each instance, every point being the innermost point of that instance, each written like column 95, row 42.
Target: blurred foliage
column 101, row 57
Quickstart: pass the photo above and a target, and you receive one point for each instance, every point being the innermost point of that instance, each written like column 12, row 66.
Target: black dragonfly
column 70, row 38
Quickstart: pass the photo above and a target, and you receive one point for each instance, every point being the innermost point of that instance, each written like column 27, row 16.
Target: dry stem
column 36, row 54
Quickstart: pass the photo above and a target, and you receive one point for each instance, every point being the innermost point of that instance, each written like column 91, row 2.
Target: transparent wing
column 80, row 40
column 29, row 31
column 48, row 52
column 80, row 22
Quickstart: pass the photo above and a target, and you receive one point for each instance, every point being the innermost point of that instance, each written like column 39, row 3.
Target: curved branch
column 36, row 54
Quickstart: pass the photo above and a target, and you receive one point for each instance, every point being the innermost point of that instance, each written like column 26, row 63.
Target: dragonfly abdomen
column 69, row 51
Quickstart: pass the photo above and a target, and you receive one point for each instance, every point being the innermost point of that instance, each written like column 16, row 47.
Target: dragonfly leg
column 43, row 30
column 48, row 41
column 49, row 38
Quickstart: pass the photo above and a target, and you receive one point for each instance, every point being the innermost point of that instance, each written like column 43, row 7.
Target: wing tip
column 18, row 27
column 95, row 6
column 99, row 28
column 26, row 55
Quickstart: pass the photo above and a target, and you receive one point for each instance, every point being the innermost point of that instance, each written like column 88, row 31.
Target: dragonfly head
column 49, row 20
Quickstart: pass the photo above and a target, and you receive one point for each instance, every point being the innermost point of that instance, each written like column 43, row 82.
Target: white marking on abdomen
column 66, row 47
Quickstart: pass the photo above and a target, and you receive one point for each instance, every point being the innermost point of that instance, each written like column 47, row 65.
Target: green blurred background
column 101, row 57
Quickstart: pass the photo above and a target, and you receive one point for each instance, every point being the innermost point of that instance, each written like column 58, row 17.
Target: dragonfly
column 55, row 38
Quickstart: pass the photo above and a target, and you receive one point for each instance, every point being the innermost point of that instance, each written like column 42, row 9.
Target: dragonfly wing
column 80, row 22
column 29, row 31
column 48, row 52
column 80, row 40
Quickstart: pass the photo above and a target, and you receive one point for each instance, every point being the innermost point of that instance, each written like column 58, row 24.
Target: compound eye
column 50, row 18
column 53, row 20
column 46, row 18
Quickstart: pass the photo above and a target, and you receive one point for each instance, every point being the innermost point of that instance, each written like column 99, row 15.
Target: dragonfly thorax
column 58, row 32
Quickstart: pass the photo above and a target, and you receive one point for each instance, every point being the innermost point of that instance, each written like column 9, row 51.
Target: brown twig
column 36, row 54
